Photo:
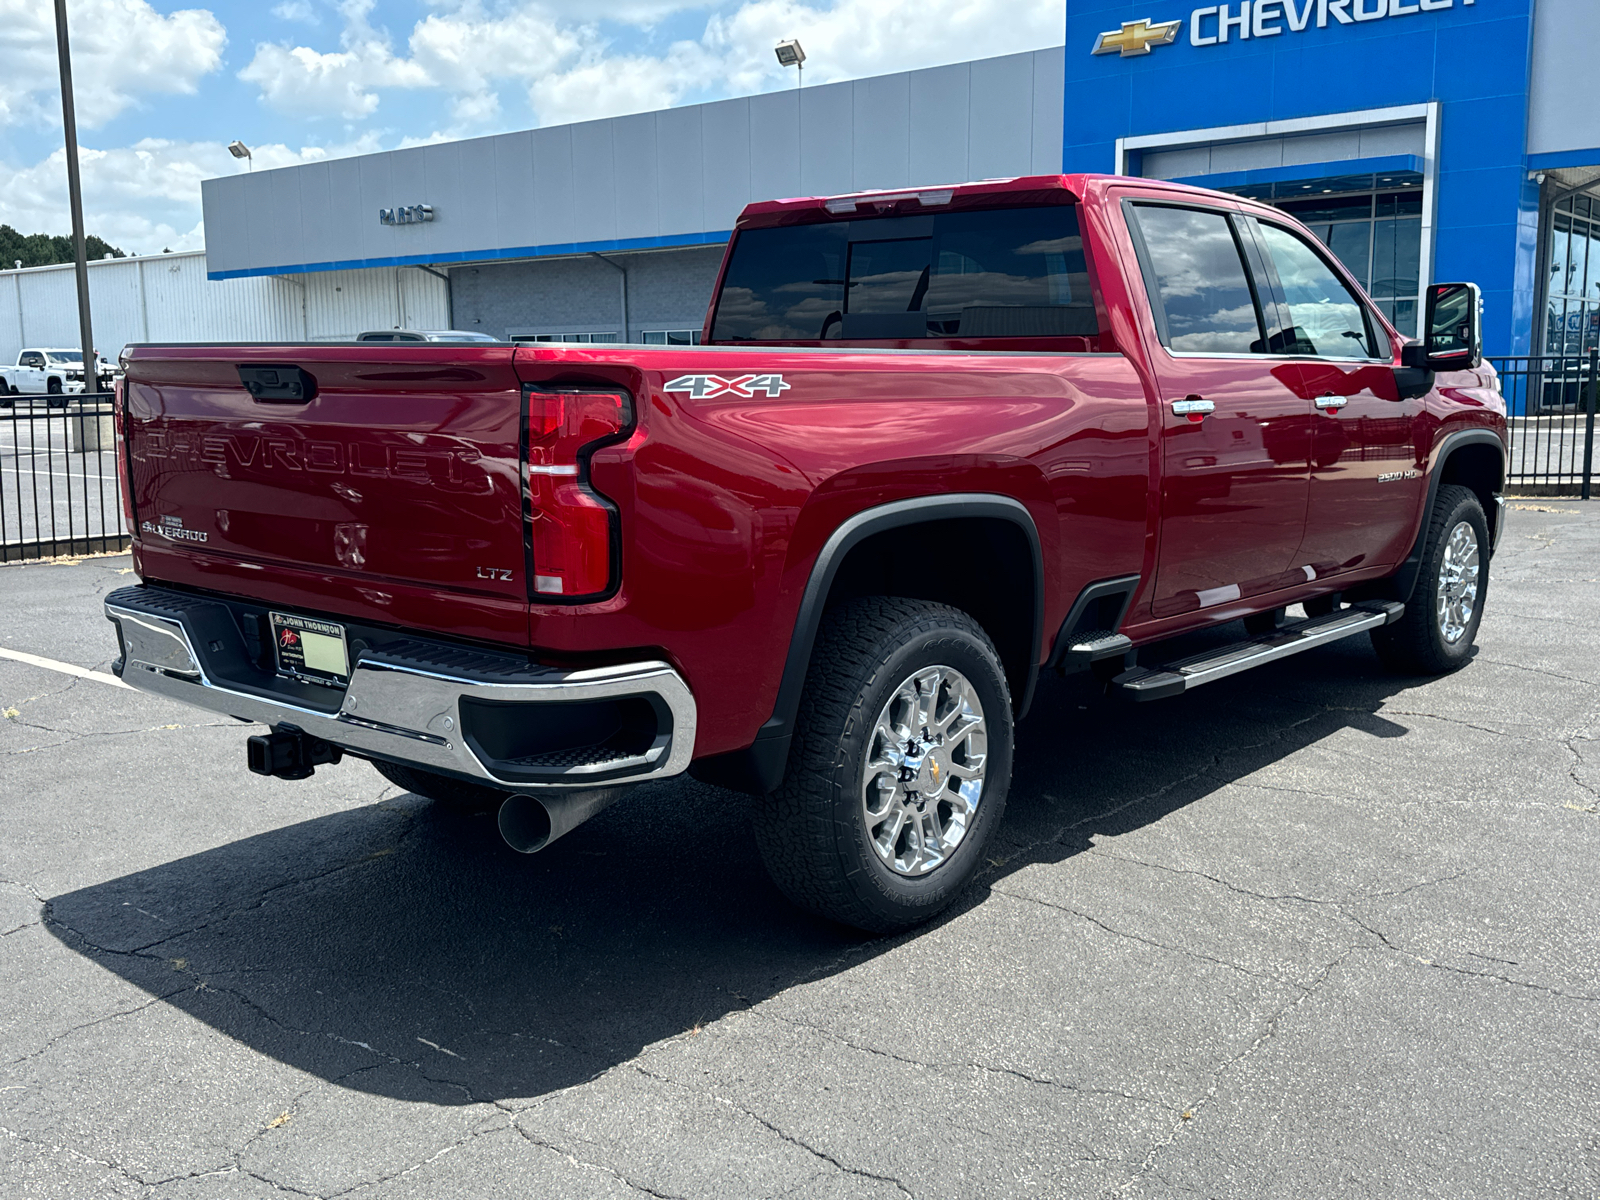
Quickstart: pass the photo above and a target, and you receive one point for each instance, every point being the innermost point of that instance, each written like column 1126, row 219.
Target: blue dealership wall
column 1473, row 58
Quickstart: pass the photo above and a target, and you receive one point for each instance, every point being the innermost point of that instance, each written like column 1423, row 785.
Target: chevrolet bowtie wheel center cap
column 923, row 778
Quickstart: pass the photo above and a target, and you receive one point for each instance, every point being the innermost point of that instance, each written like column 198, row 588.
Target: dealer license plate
column 311, row 650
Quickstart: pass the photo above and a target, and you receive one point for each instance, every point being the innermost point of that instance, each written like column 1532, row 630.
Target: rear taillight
column 119, row 420
column 571, row 525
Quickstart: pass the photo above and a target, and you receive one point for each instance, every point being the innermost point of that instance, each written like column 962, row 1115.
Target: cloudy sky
column 161, row 89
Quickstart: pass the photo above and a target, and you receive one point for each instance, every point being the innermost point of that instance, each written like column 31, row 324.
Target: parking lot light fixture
column 791, row 55
column 239, row 150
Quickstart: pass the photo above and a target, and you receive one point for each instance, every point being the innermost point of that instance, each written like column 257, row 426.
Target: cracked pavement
column 1311, row 931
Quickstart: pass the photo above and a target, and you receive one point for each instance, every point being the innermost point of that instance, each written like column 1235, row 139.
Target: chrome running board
column 1158, row 683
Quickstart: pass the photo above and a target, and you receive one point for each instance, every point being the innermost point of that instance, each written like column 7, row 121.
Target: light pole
column 69, row 121
column 791, row 55
column 239, row 150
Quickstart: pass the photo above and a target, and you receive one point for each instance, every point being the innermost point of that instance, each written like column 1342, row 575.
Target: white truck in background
column 45, row 372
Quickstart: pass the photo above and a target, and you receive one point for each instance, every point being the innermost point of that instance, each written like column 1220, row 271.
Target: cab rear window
column 997, row 273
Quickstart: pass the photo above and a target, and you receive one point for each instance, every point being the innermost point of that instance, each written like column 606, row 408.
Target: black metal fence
column 59, row 492
column 58, row 477
column 1550, row 406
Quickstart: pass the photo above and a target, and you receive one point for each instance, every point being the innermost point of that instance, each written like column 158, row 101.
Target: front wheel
column 1441, row 621
column 898, row 773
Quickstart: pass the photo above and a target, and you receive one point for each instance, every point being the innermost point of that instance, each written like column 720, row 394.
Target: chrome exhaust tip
column 530, row 823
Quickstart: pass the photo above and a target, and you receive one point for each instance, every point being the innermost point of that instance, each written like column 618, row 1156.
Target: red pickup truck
column 934, row 442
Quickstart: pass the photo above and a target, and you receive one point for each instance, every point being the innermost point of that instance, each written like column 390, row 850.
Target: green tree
column 43, row 250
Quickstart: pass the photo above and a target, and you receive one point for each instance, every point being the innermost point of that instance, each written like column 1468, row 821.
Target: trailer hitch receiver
column 289, row 753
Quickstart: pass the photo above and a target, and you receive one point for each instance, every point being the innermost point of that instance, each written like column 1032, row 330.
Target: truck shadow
column 400, row 932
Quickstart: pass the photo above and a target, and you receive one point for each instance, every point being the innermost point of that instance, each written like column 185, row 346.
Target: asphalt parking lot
column 1314, row 931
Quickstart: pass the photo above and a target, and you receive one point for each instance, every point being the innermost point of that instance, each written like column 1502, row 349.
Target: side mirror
column 1452, row 330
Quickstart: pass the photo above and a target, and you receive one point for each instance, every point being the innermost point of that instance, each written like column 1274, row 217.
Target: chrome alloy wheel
column 924, row 774
column 1458, row 582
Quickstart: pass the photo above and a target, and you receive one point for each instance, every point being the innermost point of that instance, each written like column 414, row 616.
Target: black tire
column 53, row 387
column 814, row 832
column 455, row 794
column 1420, row 642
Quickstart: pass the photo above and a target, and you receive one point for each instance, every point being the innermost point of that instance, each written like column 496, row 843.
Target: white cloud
column 142, row 198
column 300, row 81
column 296, row 10
column 478, row 55
column 121, row 50
column 854, row 38
column 571, row 72
column 305, row 82
column 611, row 87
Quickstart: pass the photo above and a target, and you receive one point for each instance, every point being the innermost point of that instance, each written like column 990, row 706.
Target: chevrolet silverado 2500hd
column 53, row 373
column 934, row 442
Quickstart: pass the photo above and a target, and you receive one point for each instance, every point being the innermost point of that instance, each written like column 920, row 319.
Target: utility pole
column 69, row 121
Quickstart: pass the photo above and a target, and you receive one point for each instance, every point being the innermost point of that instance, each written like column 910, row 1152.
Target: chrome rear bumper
column 404, row 702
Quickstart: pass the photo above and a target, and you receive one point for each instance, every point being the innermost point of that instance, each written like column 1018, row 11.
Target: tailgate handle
column 278, row 384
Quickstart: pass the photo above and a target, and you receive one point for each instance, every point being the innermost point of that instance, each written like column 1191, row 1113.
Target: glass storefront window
column 1402, row 314
column 1396, row 257
column 1572, row 281
column 1351, row 242
column 1378, row 235
column 1400, row 204
column 1592, row 292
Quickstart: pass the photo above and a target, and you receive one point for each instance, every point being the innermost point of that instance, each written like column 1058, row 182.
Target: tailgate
column 403, row 466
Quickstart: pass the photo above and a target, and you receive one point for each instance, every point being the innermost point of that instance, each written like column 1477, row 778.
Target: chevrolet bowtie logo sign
column 1136, row 37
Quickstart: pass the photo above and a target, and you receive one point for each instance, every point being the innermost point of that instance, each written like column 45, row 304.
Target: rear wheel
column 455, row 794
column 1441, row 621
column 898, row 774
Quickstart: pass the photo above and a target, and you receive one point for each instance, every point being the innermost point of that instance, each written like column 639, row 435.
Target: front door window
column 1325, row 317
column 1365, row 474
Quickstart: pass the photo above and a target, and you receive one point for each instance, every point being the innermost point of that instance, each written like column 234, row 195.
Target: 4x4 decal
column 707, row 387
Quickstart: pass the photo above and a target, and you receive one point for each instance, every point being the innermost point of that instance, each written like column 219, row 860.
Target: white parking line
column 50, row 664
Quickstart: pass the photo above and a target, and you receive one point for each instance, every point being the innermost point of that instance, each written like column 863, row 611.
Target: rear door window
column 1199, row 288
column 1016, row 272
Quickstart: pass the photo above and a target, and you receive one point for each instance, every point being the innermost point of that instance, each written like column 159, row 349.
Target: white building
column 169, row 298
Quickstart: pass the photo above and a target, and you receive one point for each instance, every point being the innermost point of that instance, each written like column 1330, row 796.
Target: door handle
column 1332, row 402
column 1192, row 406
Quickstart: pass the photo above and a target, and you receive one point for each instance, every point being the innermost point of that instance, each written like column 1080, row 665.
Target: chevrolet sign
column 1136, row 37
column 1217, row 24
